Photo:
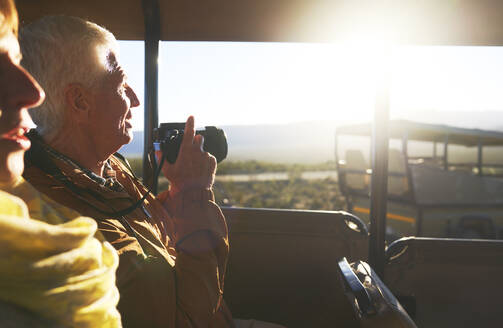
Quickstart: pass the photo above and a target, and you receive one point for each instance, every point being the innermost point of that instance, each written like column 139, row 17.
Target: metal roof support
column 336, row 149
column 419, row 224
column 410, row 181
column 379, row 182
column 479, row 157
column 152, row 36
column 405, row 145
column 446, row 150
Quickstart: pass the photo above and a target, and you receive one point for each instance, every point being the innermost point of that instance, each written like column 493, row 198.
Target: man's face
column 111, row 117
column 18, row 92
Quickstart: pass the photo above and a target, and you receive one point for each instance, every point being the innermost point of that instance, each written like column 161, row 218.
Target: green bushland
column 254, row 167
column 294, row 193
column 250, row 167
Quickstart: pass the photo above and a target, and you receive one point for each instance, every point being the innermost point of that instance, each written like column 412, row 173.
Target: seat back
column 283, row 264
column 356, row 166
column 398, row 184
column 447, row 282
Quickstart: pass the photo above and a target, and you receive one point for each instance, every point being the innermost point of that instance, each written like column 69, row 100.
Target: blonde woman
column 53, row 273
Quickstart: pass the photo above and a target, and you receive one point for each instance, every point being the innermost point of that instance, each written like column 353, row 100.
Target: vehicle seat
column 279, row 267
column 447, row 282
column 475, row 226
column 356, row 177
column 374, row 304
column 397, row 177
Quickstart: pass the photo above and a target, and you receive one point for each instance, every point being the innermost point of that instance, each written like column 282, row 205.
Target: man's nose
column 135, row 102
column 22, row 90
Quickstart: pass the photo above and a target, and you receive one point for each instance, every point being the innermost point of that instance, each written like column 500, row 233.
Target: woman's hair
column 8, row 18
column 58, row 51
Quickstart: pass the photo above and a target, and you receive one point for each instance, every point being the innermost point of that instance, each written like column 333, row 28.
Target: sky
column 256, row 83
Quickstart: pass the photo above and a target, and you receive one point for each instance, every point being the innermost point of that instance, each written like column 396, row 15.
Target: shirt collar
column 109, row 175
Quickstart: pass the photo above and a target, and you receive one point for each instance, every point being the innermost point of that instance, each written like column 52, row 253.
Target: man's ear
column 78, row 100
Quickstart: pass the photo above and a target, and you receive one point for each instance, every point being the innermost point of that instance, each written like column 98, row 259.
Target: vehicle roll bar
column 152, row 36
column 379, row 179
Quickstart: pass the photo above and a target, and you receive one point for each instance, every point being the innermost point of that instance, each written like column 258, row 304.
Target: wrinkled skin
column 98, row 119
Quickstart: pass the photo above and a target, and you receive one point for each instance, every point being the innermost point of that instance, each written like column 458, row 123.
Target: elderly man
column 51, row 275
column 173, row 248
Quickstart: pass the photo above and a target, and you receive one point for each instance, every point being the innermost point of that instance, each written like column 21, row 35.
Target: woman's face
column 18, row 92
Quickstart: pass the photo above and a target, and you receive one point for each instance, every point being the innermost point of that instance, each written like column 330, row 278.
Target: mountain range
column 314, row 142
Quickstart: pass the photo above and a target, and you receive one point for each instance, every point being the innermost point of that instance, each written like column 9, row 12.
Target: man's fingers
column 194, row 166
column 211, row 170
column 199, row 142
column 188, row 135
column 213, row 164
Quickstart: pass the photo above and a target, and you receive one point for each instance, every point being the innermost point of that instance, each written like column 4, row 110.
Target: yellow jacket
column 55, row 269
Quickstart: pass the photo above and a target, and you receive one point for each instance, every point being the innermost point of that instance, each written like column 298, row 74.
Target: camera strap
column 38, row 157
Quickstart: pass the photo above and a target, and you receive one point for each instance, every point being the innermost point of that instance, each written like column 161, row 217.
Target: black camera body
column 168, row 139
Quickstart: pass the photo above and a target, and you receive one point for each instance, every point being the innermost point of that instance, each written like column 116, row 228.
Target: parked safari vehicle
column 429, row 195
column 284, row 264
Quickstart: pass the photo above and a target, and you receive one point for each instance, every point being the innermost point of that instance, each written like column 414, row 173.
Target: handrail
column 355, row 286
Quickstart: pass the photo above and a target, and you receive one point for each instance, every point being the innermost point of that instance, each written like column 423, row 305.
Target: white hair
column 58, row 51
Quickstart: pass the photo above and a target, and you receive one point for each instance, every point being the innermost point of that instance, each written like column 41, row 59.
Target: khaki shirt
column 160, row 285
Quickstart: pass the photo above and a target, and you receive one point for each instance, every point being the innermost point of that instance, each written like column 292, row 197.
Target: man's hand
column 194, row 168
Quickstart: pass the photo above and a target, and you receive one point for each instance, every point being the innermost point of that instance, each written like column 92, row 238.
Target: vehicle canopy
column 399, row 129
column 427, row 22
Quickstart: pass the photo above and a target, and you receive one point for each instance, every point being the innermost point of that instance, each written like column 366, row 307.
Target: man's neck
column 80, row 149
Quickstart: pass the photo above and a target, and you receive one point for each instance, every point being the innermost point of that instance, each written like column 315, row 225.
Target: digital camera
column 168, row 139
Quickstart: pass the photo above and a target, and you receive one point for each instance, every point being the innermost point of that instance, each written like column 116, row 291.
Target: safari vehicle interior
column 421, row 188
column 283, row 265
